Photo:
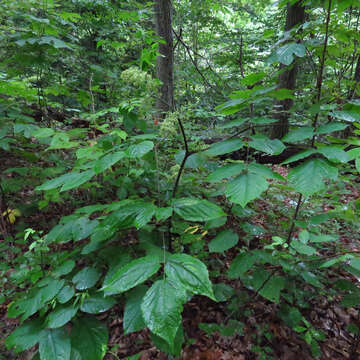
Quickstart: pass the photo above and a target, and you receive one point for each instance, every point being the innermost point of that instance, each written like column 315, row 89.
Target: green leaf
column 225, row 240
column 351, row 300
column 302, row 248
column 190, row 272
column 334, row 153
column 272, row 288
column 139, row 150
column 225, row 172
column 83, row 228
column 303, row 133
column 355, row 263
column 108, row 161
column 246, row 188
column 266, row 145
column 35, row 299
column 162, row 308
column 132, row 274
column 60, row 316
column 65, row 294
column 329, row 128
column 349, row 115
column 223, row 292
column 77, row 179
column 89, row 337
column 86, row 278
column 133, row 319
column 308, row 178
column 224, row 147
column 25, row 336
column 97, row 304
column 65, row 268
column 285, row 54
column 163, row 346
column 299, row 156
column 55, row 345
column 192, row 209
column 241, row 264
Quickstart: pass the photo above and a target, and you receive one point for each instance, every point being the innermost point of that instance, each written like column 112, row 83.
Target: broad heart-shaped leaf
column 308, row 178
column 226, row 171
column 224, row 147
column 89, row 337
column 97, row 304
column 266, row 145
column 108, row 161
column 246, row 188
column 139, row 150
column 285, row 54
column 60, row 316
column 25, row 336
column 86, row 278
column 132, row 274
column 225, row 240
column 162, row 308
column 193, row 209
column 55, row 345
column 303, row 133
column 191, row 273
column 133, row 319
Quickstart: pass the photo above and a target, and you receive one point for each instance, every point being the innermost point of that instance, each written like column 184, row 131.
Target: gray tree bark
column 287, row 80
column 165, row 62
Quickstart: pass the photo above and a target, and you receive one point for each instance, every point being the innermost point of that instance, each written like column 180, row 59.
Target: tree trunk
column 165, row 62
column 287, row 79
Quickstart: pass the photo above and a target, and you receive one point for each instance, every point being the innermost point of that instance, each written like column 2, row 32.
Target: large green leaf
column 246, row 188
column 162, row 308
column 25, row 336
column 299, row 156
column 272, row 288
column 302, row 248
column 347, row 115
column 226, row 171
column 224, row 147
column 97, row 304
column 107, row 161
column 225, row 240
column 35, row 299
column 303, row 133
column 86, row 278
column 328, row 128
column 133, row 319
column 241, row 264
column 308, row 178
column 285, row 54
column 132, row 274
column 266, row 145
column 192, row 209
column 139, row 150
column 190, row 272
column 89, row 337
column 60, row 316
column 55, row 345
column 334, row 153
column 77, row 179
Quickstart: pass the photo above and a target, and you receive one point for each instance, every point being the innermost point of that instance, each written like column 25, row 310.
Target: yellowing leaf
column 11, row 214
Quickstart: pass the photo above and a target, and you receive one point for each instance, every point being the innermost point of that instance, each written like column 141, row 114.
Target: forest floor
column 261, row 334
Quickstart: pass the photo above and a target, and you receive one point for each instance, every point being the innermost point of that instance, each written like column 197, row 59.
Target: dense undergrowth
column 171, row 230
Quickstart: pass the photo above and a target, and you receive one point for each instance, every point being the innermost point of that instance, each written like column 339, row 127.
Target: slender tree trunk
column 287, row 80
column 165, row 62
